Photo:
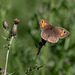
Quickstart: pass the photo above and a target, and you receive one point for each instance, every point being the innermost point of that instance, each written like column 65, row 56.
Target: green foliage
column 58, row 58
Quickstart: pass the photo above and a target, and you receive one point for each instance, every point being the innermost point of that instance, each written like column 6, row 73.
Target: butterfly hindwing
column 45, row 34
column 50, row 35
column 53, row 39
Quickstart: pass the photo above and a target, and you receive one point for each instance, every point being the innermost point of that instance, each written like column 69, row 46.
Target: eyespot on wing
column 63, row 32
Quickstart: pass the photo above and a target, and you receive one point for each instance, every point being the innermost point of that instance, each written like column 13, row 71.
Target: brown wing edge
column 53, row 39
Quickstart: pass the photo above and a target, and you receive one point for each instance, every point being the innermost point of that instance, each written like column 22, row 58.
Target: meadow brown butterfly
column 52, row 33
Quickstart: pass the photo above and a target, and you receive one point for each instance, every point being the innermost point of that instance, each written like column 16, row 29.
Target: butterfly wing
column 44, row 24
column 62, row 32
column 50, row 35
column 53, row 39
column 45, row 34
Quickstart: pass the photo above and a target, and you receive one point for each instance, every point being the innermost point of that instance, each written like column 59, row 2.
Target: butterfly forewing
column 44, row 24
column 62, row 32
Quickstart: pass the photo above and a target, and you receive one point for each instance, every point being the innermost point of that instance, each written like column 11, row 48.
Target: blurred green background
column 58, row 58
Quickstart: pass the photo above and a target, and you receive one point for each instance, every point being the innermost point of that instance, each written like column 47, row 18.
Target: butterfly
column 52, row 33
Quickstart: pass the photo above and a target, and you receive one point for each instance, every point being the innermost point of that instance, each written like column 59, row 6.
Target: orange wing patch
column 43, row 24
column 62, row 32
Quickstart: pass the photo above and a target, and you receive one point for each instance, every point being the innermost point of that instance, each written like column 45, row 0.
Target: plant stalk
column 8, row 54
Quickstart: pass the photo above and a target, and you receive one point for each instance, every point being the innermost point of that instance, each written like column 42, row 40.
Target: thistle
column 13, row 31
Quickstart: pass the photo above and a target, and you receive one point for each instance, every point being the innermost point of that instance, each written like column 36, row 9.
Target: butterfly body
column 52, row 33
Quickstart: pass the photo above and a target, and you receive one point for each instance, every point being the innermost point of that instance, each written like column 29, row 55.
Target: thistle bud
column 5, row 24
column 2, row 70
column 14, row 27
column 14, row 30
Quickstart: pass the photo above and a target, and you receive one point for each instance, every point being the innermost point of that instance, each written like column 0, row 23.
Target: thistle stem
column 8, row 53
